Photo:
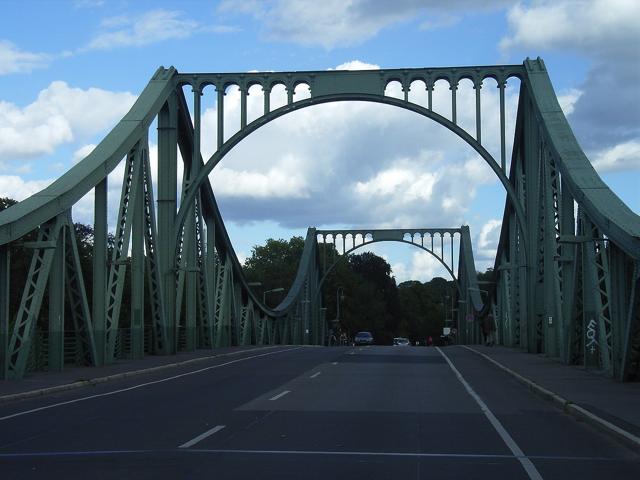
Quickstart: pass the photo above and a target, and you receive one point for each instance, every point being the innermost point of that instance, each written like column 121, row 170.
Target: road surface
column 308, row 413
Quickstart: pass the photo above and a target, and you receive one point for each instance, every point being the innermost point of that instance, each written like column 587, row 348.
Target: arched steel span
column 391, row 235
column 573, row 292
column 247, row 130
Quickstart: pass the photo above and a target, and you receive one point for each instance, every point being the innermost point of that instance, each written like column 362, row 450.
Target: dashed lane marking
column 280, row 395
column 202, row 436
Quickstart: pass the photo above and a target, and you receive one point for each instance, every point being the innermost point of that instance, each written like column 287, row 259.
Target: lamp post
column 264, row 294
column 339, row 296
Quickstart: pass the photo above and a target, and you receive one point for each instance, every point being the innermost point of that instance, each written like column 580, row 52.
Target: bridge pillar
column 56, row 305
column 99, row 313
column 137, row 271
column 167, row 197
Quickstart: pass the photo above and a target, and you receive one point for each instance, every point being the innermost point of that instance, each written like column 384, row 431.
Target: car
column 401, row 342
column 364, row 338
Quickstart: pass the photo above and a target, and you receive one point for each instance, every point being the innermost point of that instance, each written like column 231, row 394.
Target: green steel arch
column 247, row 130
column 566, row 283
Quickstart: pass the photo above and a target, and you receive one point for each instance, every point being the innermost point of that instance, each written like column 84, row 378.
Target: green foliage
column 274, row 265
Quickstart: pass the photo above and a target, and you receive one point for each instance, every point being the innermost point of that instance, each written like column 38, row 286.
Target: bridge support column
column 137, row 270
column 100, row 269
column 167, row 197
column 56, row 305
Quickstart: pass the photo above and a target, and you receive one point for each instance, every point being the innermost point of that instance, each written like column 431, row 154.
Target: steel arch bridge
column 567, row 270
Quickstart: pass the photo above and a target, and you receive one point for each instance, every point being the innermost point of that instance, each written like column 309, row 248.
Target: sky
column 69, row 71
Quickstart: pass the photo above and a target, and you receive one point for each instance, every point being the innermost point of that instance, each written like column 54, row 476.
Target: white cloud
column 14, row 60
column 278, row 182
column 151, row 27
column 357, row 65
column 60, row 114
column 340, row 23
column 423, row 267
column 82, row 152
column 15, row 187
column 584, row 25
column 399, row 181
column 568, row 99
column 488, row 240
column 621, row 157
column 606, row 33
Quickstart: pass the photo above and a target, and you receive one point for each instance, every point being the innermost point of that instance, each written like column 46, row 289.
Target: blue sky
column 71, row 72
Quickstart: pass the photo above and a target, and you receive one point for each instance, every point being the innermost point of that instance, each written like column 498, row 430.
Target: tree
column 275, row 264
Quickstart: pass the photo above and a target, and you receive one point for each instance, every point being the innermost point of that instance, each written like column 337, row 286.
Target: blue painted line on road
column 18, row 455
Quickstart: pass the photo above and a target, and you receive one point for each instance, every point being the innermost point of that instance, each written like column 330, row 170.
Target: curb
column 568, row 406
column 116, row 376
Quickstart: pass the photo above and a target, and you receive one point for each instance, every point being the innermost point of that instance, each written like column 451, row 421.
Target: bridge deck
column 291, row 412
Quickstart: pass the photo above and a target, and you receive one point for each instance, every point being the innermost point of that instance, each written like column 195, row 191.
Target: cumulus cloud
column 338, row 23
column 59, row 115
column 621, row 157
column 488, row 240
column 422, row 267
column 150, row 27
column 605, row 26
column 16, row 187
column 82, row 152
column 609, row 36
column 14, row 60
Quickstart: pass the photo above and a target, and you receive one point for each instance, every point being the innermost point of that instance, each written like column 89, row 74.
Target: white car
column 401, row 342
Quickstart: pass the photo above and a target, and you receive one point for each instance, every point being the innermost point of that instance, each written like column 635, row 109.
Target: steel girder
column 578, row 278
column 551, row 264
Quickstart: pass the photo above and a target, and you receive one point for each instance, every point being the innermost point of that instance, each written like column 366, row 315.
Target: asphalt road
column 308, row 413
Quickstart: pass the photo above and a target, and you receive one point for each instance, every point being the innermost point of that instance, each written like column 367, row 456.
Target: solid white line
column 202, row 436
column 280, row 395
column 527, row 464
column 19, row 414
column 315, row 375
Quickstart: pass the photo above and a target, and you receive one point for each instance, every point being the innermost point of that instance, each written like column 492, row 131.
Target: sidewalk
column 42, row 383
column 607, row 404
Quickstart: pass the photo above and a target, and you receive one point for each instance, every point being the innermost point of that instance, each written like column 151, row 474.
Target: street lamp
column 339, row 296
column 264, row 294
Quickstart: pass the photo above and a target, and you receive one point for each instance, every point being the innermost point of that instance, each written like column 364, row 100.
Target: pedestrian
column 488, row 327
column 430, row 341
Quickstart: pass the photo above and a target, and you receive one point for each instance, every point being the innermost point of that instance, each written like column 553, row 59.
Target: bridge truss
column 567, row 271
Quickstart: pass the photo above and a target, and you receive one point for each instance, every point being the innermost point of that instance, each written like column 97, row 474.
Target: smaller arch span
column 377, row 236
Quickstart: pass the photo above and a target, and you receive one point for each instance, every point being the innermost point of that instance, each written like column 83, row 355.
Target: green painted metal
column 561, row 281
column 5, row 278
column 99, row 269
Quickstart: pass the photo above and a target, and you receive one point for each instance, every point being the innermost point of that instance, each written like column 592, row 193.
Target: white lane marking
column 33, row 410
column 280, row 395
column 334, row 363
column 527, row 464
column 315, row 375
column 202, row 436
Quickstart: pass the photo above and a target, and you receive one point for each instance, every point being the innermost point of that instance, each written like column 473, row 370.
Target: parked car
column 401, row 342
column 364, row 338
